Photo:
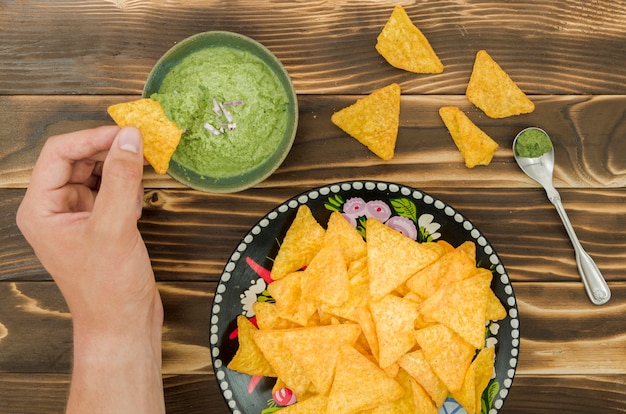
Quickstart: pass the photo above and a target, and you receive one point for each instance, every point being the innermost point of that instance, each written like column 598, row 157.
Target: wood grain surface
column 63, row 62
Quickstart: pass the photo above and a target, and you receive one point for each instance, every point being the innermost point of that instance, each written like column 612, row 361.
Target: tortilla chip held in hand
column 476, row 147
column 160, row 135
column 405, row 47
column 492, row 90
column 373, row 120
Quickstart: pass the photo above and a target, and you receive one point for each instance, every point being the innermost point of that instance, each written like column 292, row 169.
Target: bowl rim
column 220, row 38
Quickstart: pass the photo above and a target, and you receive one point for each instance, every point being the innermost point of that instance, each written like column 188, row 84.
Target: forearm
column 80, row 216
column 117, row 373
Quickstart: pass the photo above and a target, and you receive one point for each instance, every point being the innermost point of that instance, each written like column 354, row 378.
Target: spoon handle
column 595, row 285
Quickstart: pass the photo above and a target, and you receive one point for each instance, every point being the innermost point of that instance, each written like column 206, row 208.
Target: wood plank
column 190, row 235
column 561, row 331
column 568, row 393
column 34, row 393
column 562, row 47
column 587, row 132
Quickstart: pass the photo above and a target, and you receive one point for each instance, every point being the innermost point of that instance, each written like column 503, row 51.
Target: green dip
column 238, row 137
column 532, row 143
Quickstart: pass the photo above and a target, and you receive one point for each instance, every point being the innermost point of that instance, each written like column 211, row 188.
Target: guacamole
column 532, row 143
column 232, row 107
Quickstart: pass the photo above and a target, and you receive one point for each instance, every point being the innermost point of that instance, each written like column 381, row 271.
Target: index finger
column 65, row 156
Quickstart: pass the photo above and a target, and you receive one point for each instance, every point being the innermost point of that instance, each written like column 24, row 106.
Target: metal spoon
column 540, row 169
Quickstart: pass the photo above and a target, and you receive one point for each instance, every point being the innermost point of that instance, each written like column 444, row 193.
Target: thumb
column 121, row 190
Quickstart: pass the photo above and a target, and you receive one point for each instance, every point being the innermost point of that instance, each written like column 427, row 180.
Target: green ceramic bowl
column 282, row 136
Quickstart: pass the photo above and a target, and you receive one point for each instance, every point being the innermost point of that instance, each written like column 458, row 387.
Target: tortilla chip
column 365, row 321
column 325, row 279
column 272, row 344
column 447, row 247
column 469, row 247
column 394, row 319
column 495, row 311
column 437, row 248
column 404, row 404
column 492, row 90
column 405, row 47
column 313, row 405
column 360, row 384
column 290, row 304
column 483, row 366
column 278, row 385
column 447, row 353
column 267, row 317
column 451, row 267
column 341, row 231
column 373, row 120
column 358, row 295
column 466, row 396
column 160, row 135
column 461, row 306
column 249, row 359
column 316, row 350
column 423, row 403
column 302, row 241
column 476, row 379
column 392, row 258
column 415, row 364
column 476, row 147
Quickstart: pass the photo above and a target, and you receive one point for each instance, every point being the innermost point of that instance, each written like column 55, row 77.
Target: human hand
column 80, row 216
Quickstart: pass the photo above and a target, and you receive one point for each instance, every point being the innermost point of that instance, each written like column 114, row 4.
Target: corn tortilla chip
column 325, row 279
column 340, row 230
column 394, row 319
column 469, row 247
column 492, row 90
column 359, row 384
column 451, row 267
column 476, row 147
column 365, row 321
column 392, row 258
column 447, row 353
column 404, row 46
column 160, row 135
column 249, row 359
column 415, row 364
column 358, row 295
column 423, row 403
column 267, row 317
column 476, row 379
column 461, row 306
column 272, row 344
column 495, row 311
column 484, row 366
column 466, row 396
column 373, row 120
column 404, row 404
column 290, row 304
column 316, row 350
column 302, row 241
column 313, row 405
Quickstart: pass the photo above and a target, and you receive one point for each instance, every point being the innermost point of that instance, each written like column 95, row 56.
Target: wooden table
column 63, row 62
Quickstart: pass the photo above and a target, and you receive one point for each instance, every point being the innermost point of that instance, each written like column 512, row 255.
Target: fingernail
column 129, row 139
